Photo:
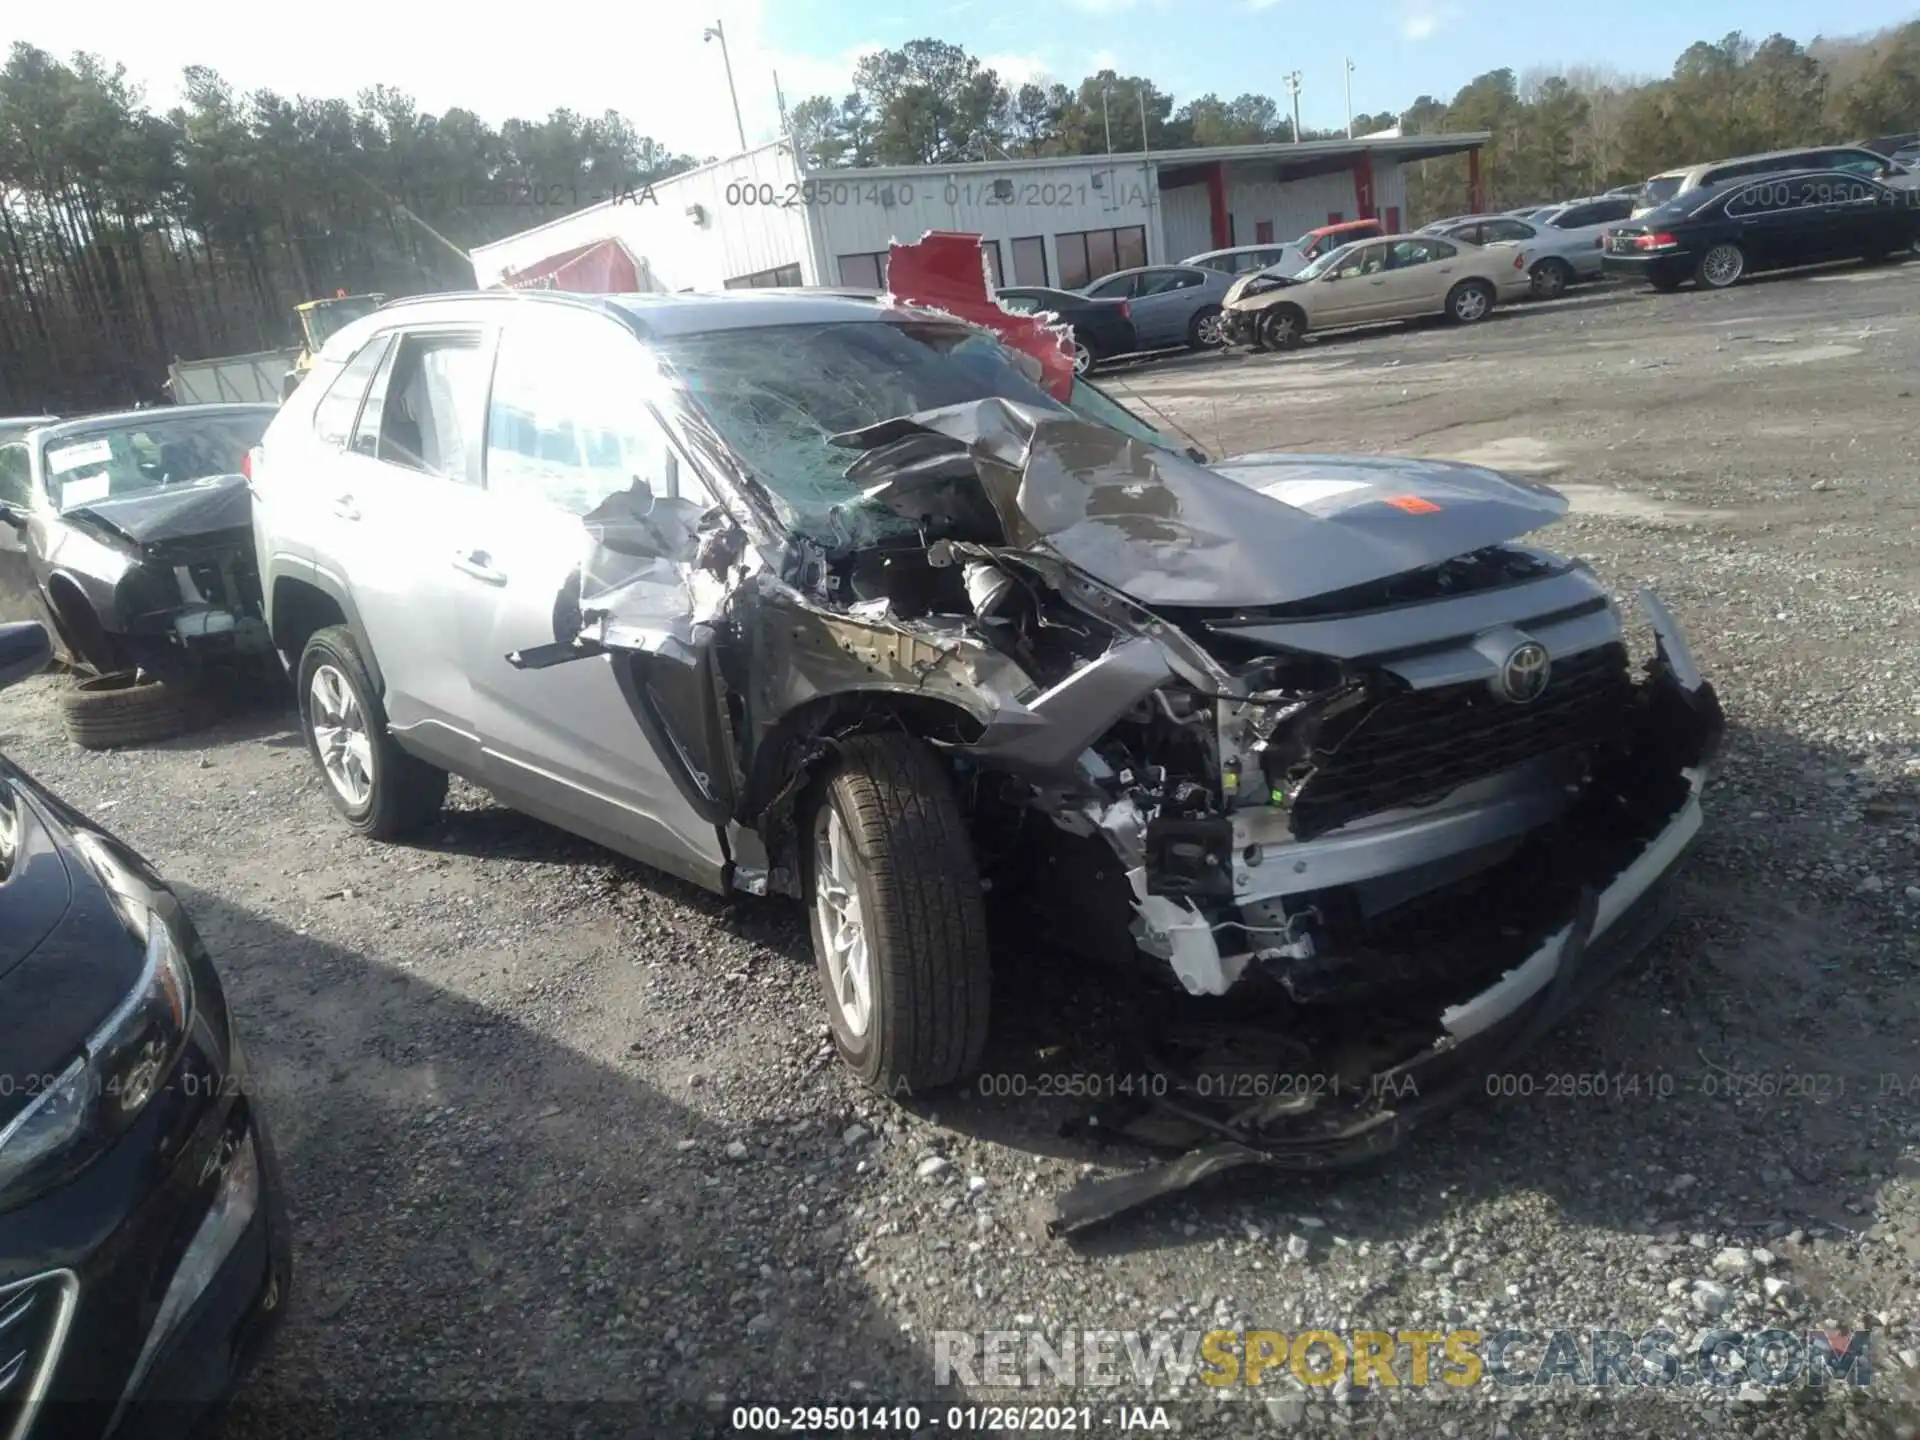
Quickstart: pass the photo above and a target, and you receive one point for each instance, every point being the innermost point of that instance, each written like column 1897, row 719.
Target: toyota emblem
column 1523, row 678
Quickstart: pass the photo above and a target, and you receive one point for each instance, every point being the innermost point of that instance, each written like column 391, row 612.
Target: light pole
column 716, row 32
column 1349, row 97
column 1293, row 84
column 1106, row 92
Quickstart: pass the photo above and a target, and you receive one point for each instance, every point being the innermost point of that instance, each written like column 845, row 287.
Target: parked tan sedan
column 1396, row 277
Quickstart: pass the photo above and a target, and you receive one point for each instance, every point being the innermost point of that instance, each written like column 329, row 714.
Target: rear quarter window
column 334, row 413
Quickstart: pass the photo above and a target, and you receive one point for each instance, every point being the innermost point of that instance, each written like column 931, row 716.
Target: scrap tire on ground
column 101, row 712
column 404, row 792
column 884, row 817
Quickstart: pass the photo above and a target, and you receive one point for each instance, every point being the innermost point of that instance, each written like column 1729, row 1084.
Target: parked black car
column 1717, row 234
column 1101, row 328
column 131, row 533
column 144, row 1249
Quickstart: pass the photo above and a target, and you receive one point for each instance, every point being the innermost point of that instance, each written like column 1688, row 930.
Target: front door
column 1162, row 305
column 568, row 428
column 1783, row 221
column 1354, row 290
column 399, row 504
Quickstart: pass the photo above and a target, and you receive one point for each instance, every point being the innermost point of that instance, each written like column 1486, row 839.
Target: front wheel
column 381, row 790
column 1082, row 358
column 1470, row 301
column 1281, row 328
column 899, row 925
column 1722, row 266
column 1205, row 331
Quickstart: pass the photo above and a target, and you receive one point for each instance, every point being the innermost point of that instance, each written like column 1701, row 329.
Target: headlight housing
column 78, row 1113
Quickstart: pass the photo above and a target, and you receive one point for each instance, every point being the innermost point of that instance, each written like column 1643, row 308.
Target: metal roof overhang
column 1318, row 160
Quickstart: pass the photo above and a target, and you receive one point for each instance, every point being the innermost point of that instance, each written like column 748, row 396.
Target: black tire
column 1722, row 267
column 1282, row 327
column 1461, row 311
column 1205, row 320
column 405, row 792
column 921, row 915
column 126, row 708
column 1551, row 277
column 1665, row 284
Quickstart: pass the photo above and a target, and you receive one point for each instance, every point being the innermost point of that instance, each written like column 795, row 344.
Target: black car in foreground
column 1101, row 328
column 1717, row 234
column 144, row 1248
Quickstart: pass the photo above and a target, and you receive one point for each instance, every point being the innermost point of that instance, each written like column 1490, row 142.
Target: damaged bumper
column 1346, row 1086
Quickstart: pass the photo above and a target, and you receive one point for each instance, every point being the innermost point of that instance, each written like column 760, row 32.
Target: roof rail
column 570, row 297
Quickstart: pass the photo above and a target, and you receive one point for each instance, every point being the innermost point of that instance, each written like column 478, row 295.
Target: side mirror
column 25, row 651
column 12, row 516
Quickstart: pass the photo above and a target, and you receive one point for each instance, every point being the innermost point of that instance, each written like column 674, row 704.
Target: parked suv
column 824, row 597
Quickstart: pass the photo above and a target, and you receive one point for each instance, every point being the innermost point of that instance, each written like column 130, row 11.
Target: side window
column 1855, row 163
column 16, row 477
column 1117, row 288
column 1576, row 218
column 1019, row 304
column 1498, row 231
column 1184, row 280
column 1442, row 250
column 333, row 417
column 1365, row 260
column 423, row 401
column 1404, row 254
column 1469, row 234
column 568, row 426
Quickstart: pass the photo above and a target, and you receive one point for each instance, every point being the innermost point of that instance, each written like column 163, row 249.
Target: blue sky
column 649, row 62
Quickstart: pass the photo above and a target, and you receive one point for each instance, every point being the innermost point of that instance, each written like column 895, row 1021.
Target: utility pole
column 780, row 100
column 1349, row 97
column 1106, row 93
column 1293, row 84
column 1141, row 91
column 716, row 32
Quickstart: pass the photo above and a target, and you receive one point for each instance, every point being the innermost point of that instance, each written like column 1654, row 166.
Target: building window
column 1030, row 260
column 992, row 251
column 1335, row 217
column 864, row 272
column 762, row 279
column 1086, row 255
column 1263, row 232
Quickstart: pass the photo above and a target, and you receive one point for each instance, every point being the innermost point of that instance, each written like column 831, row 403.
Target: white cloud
column 1015, row 70
column 1422, row 18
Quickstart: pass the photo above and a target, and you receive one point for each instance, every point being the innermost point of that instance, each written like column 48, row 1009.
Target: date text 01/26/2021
column 952, row 1419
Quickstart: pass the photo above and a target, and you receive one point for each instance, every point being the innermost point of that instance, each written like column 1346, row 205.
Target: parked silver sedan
column 1557, row 255
column 1172, row 304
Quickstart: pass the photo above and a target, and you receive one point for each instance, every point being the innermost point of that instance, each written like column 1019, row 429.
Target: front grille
column 1417, row 745
column 33, row 1324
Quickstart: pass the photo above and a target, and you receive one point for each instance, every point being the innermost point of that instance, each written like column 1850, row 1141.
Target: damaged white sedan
column 827, row 597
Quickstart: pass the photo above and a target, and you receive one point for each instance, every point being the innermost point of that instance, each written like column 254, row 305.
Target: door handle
column 344, row 507
column 1378, row 280
column 476, row 563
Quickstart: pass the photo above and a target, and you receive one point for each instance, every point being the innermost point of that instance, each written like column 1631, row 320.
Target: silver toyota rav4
column 827, row 597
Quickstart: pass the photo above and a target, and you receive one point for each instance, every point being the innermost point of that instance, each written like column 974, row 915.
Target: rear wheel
column 1204, row 331
column 1551, row 278
column 1082, row 358
column 1470, row 302
column 899, row 925
column 381, row 790
column 1281, row 328
column 1723, row 265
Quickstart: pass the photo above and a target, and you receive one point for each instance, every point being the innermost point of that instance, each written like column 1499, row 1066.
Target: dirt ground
column 559, row 1131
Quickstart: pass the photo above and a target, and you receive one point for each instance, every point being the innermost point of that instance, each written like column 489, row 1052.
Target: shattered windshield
column 776, row 395
column 135, row 457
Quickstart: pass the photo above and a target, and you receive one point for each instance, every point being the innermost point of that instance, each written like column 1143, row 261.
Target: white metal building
column 760, row 218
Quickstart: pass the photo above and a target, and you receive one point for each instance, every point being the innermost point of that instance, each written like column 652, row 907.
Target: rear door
column 399, row 502
column 1784, row 221
column 568, row 427
column 1867, row 218
column 1419, row 273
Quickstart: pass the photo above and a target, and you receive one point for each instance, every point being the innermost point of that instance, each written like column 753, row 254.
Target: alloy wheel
column 1722, row 266
column 842, row 921
column 1470, row 304
column 1212, row 330
column 340, row 735
column 1082, row 358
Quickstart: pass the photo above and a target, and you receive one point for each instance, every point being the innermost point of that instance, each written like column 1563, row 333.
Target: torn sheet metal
column 1151, row 523
column 947, row 271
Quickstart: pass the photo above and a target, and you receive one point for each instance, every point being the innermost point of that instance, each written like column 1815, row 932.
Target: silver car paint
column 1161, row 320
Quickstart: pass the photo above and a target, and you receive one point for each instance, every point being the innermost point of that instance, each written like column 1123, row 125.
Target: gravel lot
column 557, row 1128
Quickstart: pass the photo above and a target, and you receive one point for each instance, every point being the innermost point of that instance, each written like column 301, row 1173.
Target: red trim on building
column 1474, row 205
column 1363, row 184
column 1217, row 205
column 1393, row 219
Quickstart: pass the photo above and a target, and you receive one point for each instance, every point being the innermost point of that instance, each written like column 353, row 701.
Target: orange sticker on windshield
column 1413, row 504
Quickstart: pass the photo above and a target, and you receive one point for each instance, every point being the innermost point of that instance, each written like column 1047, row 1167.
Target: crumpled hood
column 1254, row 531
column 174, row 512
